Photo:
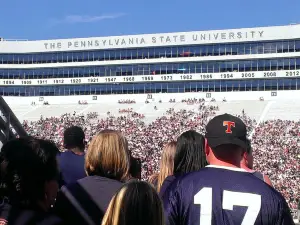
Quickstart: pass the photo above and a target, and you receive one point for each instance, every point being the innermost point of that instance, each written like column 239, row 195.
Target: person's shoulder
column 274, row 194
column 167, row 186
column 220, row 173
column 51, row 220
column 41, row 218
column 94, row 182
column 17, row 216
column 98, row 179
column 170, row 178
column 218, row 176
column 63, row 155
column 175, row 182
column 166, row 183
column 192, row 176
column 88, row 181
column 259, row 186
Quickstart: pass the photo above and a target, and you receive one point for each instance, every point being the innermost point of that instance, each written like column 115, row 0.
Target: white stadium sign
column 153, row 78
column 154, row 40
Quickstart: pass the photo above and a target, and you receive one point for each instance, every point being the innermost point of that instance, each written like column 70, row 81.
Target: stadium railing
column 10, row 126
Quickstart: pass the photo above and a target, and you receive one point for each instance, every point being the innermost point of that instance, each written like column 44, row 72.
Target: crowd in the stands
column 275, row 143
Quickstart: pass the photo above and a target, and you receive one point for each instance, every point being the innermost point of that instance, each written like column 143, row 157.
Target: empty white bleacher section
column 53, row 110
column 253, row 108
column 284, row 109
column 283, row 104
column 22, row 110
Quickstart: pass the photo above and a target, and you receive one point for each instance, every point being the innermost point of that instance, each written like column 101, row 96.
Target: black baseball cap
column 226, row 129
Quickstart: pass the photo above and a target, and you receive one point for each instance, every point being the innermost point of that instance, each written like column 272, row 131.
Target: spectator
column 189, row 156
column 135, row 168
column 135, row 204
column 71, row 162
column 107, row 165
column 298, row 211
column 166, row 166
column 28, row 182
column 247, row 164
column 223, row 190
column 275, row 143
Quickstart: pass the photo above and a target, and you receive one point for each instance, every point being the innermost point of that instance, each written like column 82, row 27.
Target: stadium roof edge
column 174, row 32
column 237, row 35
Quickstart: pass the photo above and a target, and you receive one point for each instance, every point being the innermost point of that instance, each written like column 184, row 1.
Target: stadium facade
column 214, row 64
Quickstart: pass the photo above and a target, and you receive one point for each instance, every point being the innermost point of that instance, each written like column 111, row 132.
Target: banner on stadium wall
column 152, row 78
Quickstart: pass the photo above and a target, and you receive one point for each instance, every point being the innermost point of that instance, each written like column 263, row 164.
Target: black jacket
column 85, row 202
column 19, row 216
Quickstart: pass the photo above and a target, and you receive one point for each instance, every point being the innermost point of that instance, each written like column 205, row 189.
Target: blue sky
column 44, row 19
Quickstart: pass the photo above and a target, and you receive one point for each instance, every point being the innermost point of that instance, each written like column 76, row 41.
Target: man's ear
column 206, row 148
column 245, row 156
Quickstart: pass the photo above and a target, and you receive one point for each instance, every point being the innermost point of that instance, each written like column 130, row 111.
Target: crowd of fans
column 275, row 143
column 193, row 100
column 129, row 110
column 127, row 101
column 82, row 102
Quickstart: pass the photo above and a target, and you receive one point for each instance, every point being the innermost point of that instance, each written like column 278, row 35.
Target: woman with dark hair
column 189, row 156
column 135, row 203
column 135, row 168
column 107, row 164
column 29, row 182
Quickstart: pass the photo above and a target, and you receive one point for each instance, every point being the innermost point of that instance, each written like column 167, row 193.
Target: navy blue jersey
column 167, row 182
column 224, row 196
column 258, row 175
column 71, row 167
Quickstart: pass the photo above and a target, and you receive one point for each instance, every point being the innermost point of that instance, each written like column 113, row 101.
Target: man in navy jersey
column 223, row 193
column 71, row 162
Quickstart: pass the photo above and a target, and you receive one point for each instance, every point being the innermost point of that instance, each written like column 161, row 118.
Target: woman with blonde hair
column 107, row 164
column 135, row 204
column 166, row 165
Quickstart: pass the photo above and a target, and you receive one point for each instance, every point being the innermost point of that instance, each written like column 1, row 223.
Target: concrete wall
column 219, row 96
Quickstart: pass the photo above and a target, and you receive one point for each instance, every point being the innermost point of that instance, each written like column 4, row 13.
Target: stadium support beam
column 10, row 126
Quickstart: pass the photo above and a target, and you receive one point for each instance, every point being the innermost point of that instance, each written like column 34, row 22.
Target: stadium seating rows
column 148, row 134
column 259, row 110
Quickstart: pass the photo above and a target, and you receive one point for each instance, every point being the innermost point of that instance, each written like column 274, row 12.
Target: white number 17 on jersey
column 230, row 199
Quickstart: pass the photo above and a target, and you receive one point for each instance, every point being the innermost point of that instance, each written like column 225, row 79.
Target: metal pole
column 8, row 127
column 13, row 121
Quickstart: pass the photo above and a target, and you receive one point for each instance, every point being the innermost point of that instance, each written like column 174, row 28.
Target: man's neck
column 228, row 168
column 246, row 168
column 225, row 164
column 76, row 151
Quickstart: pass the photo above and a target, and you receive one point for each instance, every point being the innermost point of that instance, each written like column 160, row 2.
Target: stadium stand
column 153, row 90
column 258, row 110
column 171, row 119
column 10, row 126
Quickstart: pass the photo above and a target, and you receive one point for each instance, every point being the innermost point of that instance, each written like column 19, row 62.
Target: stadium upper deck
column 252, row 59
